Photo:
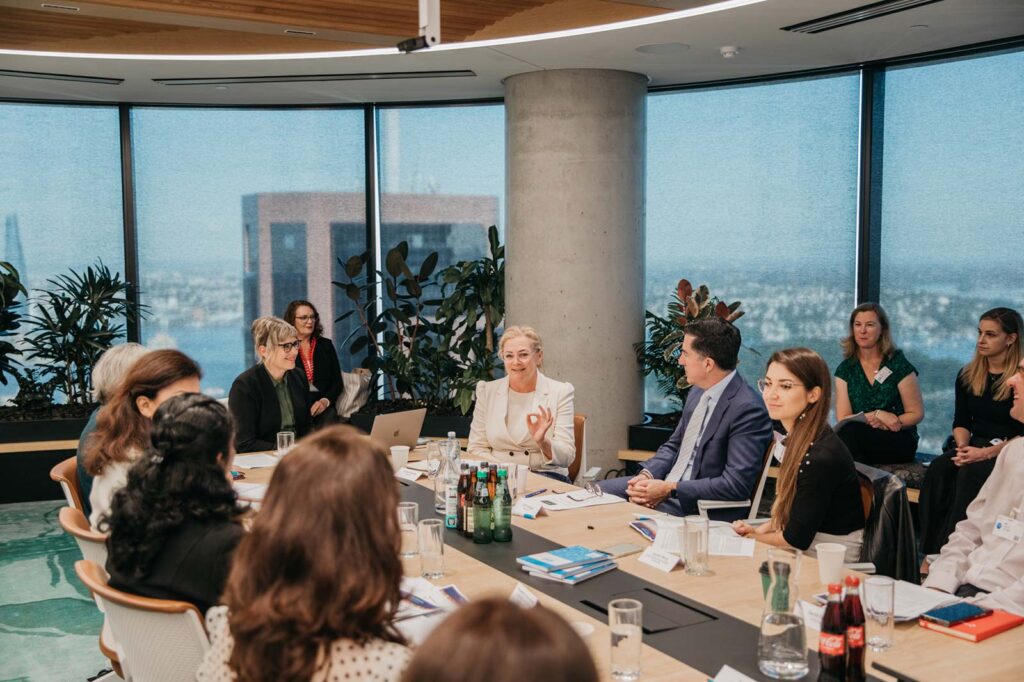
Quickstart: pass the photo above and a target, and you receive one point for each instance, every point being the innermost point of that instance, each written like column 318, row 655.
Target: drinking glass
column 431, row 548
column 433, row 458
column 879, row 601
column 695, row 545
column 408, row 517
column 285, row 442
column 625, row 619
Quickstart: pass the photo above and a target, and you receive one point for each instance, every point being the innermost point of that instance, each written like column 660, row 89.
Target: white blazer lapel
column 499, row 410
column 540, row 394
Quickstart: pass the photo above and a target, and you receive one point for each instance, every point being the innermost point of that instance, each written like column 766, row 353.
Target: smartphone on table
column 954, row 614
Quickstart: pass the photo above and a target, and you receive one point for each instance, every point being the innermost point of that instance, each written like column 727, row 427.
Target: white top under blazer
column 489, row 437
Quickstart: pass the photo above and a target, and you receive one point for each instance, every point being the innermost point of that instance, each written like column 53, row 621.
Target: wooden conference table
column 733, row 589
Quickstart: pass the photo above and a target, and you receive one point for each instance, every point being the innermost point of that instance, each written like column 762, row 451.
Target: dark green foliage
column 10, row 288
column 430, row 336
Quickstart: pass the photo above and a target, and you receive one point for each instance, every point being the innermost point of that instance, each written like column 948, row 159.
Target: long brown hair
column 975, row 372
column 120, row 426
column 885, row 343
column 809, row 368
column 321, row 562
column 520, row 644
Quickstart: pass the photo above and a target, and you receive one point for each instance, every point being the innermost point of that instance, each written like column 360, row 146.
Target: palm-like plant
column 80, row 316
column 10, row 288
column 659, row 353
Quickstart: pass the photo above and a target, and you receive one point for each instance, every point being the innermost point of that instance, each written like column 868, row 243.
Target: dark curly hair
column 178, row 479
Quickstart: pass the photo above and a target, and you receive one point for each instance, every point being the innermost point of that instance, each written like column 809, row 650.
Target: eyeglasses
column 523, row 356
column 306, row 318
column 766, row 385
column 289, row 347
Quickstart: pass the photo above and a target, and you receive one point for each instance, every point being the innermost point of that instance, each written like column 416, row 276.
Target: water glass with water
column 285, row 442
column 431, row 544
column 625, row 619
column 878, row 599
column 408, row 518
column 695, row 545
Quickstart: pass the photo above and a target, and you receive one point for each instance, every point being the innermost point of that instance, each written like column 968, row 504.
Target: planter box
column 434, row 426
column 644, row 437
column 26, row 472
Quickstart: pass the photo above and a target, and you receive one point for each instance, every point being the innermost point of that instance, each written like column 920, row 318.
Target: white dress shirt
column 975, row 554
column 682, row 470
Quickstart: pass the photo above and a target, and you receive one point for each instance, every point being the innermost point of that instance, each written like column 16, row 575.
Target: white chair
column 704, row 505
column 94, row 548
column 66, row 473
column 164, row 640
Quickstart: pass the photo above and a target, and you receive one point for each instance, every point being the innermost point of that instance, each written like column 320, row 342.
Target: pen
column 536, row 492
column 417, row 601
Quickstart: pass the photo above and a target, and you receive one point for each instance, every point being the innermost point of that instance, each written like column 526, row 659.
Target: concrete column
column 574, row 149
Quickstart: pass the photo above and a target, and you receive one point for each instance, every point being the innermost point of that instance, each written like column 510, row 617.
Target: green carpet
column 49, row 625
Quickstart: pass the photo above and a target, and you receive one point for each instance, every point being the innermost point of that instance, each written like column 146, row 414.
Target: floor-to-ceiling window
column 60, row 195
column 236, row 209
column 752, row 190
column 952, row 215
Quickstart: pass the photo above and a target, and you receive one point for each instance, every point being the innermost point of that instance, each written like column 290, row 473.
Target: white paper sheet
column 720, row 544
column 256, row 460
column 913, row 600
column 562, row 501
column 252, row 492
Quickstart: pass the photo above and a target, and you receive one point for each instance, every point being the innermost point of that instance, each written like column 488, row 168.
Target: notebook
column 979, row 628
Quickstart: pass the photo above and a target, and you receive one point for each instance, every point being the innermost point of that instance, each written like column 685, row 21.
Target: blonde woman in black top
column 817, row 495
column 981, row 427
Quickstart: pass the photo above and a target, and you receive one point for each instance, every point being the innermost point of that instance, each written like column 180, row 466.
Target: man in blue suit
column 718, row 448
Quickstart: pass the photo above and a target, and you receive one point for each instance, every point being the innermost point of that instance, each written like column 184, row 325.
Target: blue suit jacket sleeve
column 749, row 432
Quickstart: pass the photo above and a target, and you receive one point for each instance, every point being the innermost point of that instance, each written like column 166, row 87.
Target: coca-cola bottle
column 832, row 640
column 853, row 614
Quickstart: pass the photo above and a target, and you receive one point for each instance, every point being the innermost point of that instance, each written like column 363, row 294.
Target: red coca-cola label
column 831, row 645
column 855, row 636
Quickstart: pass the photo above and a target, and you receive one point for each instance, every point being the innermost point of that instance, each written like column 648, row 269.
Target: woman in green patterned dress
column 876, row 392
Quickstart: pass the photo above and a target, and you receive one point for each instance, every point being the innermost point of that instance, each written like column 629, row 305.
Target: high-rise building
column 13, row 252
column 293, row 241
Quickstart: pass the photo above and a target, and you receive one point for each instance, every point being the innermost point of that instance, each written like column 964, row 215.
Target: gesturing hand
column 538, row 423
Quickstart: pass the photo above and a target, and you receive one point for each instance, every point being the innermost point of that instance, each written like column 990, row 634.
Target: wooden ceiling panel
column 191, row 26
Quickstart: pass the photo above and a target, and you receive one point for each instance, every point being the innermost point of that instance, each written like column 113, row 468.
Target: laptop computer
column 398, row 428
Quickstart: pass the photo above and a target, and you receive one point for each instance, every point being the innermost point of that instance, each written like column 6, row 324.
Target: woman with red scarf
column 318, row 360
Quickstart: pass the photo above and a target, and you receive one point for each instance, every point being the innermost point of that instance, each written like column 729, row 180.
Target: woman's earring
column 802, row 415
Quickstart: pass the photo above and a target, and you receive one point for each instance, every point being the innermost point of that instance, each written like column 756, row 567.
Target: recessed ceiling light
column 221, row 87
column 918, row 27
column 729, row 51
column 663, row 48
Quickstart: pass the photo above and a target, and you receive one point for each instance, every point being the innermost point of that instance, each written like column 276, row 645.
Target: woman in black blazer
column 270, row 397
column 175, row 525
column 317, row 360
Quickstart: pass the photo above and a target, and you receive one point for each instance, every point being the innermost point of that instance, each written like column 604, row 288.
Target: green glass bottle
column 502, row 509
column 482, row 510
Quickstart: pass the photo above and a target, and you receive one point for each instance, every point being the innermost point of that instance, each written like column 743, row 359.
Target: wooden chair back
column 66, row 473
column 579, row 430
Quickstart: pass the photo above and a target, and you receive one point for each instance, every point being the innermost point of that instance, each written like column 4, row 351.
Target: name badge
column 1008, row 529
column 663, row 561
column 407, row 474
column 883, row 374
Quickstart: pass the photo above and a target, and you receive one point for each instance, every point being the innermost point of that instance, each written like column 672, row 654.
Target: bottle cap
column 852, row 581
column 835, row 588
column 451, row 434
column 481, row 475
column 502, row 473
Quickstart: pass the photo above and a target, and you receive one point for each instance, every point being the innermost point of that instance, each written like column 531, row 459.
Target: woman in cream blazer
column 524, row 417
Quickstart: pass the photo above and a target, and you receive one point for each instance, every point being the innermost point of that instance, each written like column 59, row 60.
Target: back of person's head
column 811, row 371
column 181, row 477
column 112, row 367
column 716, row 339
column 321, row 561
column 493, row 640
column 120, row 425
column 293, row 309
column 975, row 373
column 886, row 346
column 269, row 332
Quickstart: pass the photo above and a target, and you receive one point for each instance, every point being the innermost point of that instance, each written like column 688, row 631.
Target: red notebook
column 979, row 628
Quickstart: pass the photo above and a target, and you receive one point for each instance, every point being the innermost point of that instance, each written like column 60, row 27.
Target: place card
column 528, row 508
column 729, row 674
column 407, row 474
column 663, row 561
column 522, row 597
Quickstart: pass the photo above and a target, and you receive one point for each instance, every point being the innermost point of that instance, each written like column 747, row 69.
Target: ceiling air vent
column 61, row 77
column 856, row 15
column 390, row 75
